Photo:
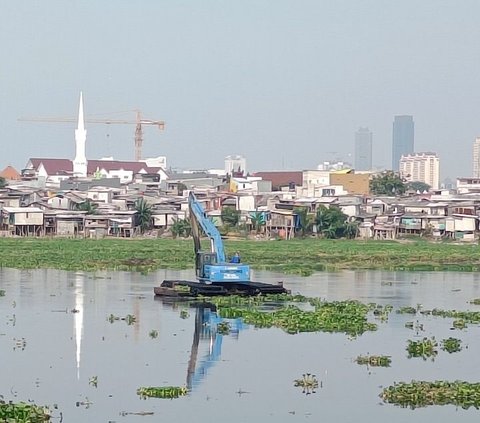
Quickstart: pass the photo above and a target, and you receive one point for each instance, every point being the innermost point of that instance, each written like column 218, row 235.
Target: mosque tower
column 80, row 162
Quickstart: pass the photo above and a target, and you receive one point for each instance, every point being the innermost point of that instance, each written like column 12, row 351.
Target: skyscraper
column 363, row 149
column 403, row 137
column 476, row 158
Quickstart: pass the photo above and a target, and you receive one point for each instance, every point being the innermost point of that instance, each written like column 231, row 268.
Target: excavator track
column 181, row 288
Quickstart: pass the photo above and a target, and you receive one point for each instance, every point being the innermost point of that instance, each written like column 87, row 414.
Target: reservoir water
column 56, row 340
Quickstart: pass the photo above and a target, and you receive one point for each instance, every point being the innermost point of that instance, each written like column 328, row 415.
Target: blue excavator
column 215, row 275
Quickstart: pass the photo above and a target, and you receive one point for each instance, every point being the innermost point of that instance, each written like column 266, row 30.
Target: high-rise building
column 476, row 158
column 403, row 139
column 421, row 167
column 363, row 149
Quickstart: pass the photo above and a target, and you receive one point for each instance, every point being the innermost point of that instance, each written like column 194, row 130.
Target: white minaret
column 80, row 162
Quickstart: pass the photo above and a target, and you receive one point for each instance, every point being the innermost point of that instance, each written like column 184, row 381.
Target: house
column 22, row 221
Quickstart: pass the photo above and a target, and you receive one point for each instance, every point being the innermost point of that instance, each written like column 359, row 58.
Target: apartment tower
column 403, row 139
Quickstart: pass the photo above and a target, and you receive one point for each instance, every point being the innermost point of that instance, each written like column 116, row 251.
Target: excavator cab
column 201, row 260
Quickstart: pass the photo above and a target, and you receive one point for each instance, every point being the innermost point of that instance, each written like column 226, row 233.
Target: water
column 49, row 352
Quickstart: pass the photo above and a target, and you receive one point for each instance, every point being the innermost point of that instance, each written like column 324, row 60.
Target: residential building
column 235, row 165
column 421, row 167
column 403, row 139
column 363, row 149
column 476, row 158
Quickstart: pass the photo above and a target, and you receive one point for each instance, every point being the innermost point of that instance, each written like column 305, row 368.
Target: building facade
column 421, row 167
column 403, row 139
column 235, row 164
column 476, row 158
column 363, row 149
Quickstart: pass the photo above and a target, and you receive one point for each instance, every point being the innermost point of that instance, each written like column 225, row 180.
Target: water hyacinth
column 349, row 317
column 374, row 360
column 166, row 392
column 23, row 413
column 421, row 394
column 426, row 348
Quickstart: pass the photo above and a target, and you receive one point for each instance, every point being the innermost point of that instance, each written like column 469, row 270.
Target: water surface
column 55, row 336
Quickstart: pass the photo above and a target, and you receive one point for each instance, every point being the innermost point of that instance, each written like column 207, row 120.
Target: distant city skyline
column 363, row 149
column 476, row 158
column 403, row 139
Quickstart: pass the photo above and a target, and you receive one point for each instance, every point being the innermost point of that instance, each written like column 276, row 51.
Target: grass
column 296, row 256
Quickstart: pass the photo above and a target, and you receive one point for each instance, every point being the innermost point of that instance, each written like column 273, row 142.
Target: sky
column 285, row 83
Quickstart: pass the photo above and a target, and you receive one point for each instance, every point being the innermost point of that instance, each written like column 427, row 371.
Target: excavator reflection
column 207, row 332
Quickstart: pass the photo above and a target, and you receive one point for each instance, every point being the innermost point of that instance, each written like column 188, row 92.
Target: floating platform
column 180, row 288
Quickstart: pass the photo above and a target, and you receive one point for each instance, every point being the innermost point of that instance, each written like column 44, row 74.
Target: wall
column 353, row 183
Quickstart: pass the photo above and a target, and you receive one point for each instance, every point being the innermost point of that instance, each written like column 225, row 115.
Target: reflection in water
column 206, row 335
column 78, row 318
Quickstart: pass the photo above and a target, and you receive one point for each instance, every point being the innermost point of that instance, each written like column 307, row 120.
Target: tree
column 351, row 229
column 144, row 214
column 181, row 227
column 305, row 220
column 387, row 183
column 230, row 216
column 88, row 205
column 3, row 182
column 418, row 186
column 258, row 220
column 330, row 222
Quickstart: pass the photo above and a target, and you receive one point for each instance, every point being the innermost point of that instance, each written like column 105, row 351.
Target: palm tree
column 258, row 220
column 144, row 214
column 305, row 219
column 350, row 229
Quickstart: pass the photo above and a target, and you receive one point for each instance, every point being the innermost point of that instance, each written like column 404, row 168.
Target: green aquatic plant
column 468, row 316
column 93, row 381
column 426, row 348
column 293, row 316
column 407, row 310
column 421, row 394
column 308, row 383
column 451, row 345
column 130, row 319
column 167, row 392
column 223, row 328
column 2, row 293
column 184, row 314
column 475, row 301
column 374, row 360
column 459, row 324
column 22, row 412
column 153, row 334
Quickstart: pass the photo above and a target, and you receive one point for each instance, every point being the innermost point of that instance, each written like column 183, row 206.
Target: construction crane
column 139, row 121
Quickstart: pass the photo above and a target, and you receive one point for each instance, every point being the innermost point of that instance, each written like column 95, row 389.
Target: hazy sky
column 286, row 83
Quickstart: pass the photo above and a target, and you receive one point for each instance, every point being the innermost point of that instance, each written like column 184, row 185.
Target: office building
column 421, row 167
column 403, row 139
column 363, row 149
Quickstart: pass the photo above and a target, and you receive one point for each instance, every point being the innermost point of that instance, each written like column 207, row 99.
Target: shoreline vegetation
column 301, row 257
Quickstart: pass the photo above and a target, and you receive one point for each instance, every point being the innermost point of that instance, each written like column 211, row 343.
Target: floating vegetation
column 223, row 328
column 374, row 360
column 20, row 344
column 93, row 381
column 414, row 325
column 468, row 316
column 475, row 301
column 459, row 324
column 153, row 334
column 2, row 293
column 168, row 392
column 421, row 394
column 184, row 314
column 23, row 413
column 451, row 345
column 407, row 310
column 426, row 348
column 308, row 382
column 382, row 312
column 282, row 311
column 130, row 319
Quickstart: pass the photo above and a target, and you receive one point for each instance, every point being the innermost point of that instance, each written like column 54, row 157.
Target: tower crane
column 139, row 121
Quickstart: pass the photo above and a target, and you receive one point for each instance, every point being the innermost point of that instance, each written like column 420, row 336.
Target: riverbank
column 296, row 256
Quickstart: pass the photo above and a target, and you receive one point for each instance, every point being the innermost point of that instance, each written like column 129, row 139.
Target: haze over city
column 284, row 83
